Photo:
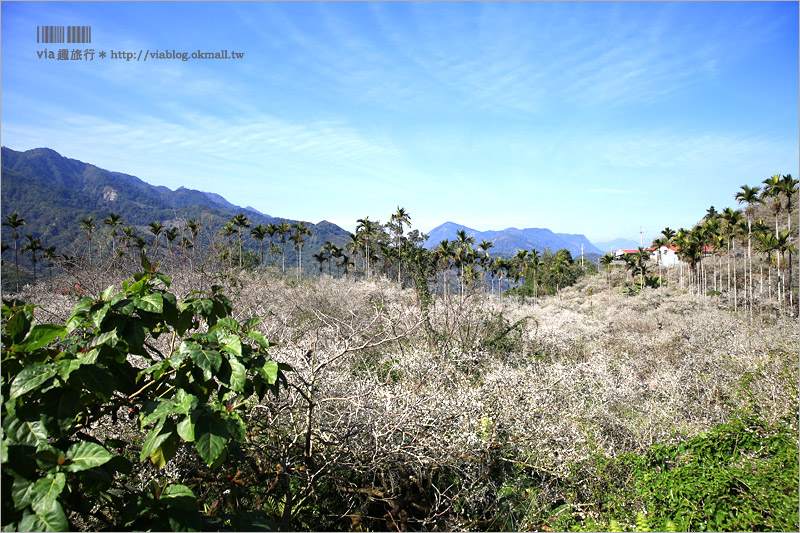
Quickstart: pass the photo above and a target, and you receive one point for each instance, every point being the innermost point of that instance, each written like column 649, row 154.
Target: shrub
column 185, row 368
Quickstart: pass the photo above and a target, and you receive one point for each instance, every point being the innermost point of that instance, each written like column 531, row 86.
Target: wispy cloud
column 699, row 150
column 609, row 191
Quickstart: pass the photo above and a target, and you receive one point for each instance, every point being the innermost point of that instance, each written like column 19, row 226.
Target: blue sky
column 595, row 118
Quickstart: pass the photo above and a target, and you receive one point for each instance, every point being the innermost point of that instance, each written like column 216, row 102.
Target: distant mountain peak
column 511, row 239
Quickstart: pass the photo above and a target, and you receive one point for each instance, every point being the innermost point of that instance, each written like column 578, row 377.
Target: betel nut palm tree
column 396, row 222
column 783, row 245
column 51, row 255
column 301, row 229
column 444, row 254
column 87, row 224
column 113, row 221
column 284, row 230
column 272, row 230
column 658, row 243
column 155, row 228
column 33, row 245
column 367, row 231
column 788, row 187
column 731, row 219
column 15, row 222
column 606, row 262
column 193, row 227
column 640, row 258
column 241, row 222
column 228, row 231
column 172, row 234
column 749, row 195
column 772, row 191
column 484, row 247
column 260, row 233
column 353, row 245
column 669, row 241
column 463, row 253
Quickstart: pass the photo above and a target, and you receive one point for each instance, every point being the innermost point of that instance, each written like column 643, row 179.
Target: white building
column 665, row 255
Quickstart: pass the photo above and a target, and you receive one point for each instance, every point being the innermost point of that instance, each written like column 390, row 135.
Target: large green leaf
column 107, row 337
column 137, row 287
column 236, row 426
column 59, row 410
column 259, row 338
column 48, row 458
column 166, row 451
column 85, row 455
column 21, row 492
column 238, row 375
column 230, row 323
column 97, row 379
column 45, row 491
column 30, row 378
column 185, row 402
column 181, row 504
column 206, row 358
column 186, row 429
column 27, row 432
column 270, row 371
column 99, row 315
column 67, row 367
column 41, row 335
column 204, row 306
column 156, row 437
column 53, row 517
column 231, row 344
column 124, row 307
column 211, row 436
column 107, row 294
column 253, row 322
column 182, row 403
column 152, row 303
column 30, row 522
column 17, row 326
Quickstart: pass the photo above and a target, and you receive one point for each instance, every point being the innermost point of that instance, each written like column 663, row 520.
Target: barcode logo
column 56, row 34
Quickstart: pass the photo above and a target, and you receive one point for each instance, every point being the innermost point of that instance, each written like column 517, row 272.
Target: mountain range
column 52, row 193
column 510, row 240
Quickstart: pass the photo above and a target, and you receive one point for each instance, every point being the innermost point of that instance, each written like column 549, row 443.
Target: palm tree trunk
column 729, row 271
column 16, row 264
column 735, row 288
column 299, row 260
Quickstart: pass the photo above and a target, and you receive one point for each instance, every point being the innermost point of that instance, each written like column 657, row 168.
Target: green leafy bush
column 741, row 476
column 198, row 368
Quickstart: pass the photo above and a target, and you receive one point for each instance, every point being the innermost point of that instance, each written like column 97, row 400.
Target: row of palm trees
column 386, row 249
column 33, row 246
column 474, row 264
column 374, row 249
column 717, row 236
column 181, row 240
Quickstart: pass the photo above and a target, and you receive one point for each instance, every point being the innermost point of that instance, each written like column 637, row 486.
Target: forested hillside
column 54, row 194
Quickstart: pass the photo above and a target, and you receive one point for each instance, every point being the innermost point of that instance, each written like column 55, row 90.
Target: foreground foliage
column 197, row 369
column 740, row 476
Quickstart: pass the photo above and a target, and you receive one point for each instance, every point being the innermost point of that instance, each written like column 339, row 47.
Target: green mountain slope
column 52, row 193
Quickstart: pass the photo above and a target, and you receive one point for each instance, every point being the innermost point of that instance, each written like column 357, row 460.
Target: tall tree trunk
column 735, row 287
